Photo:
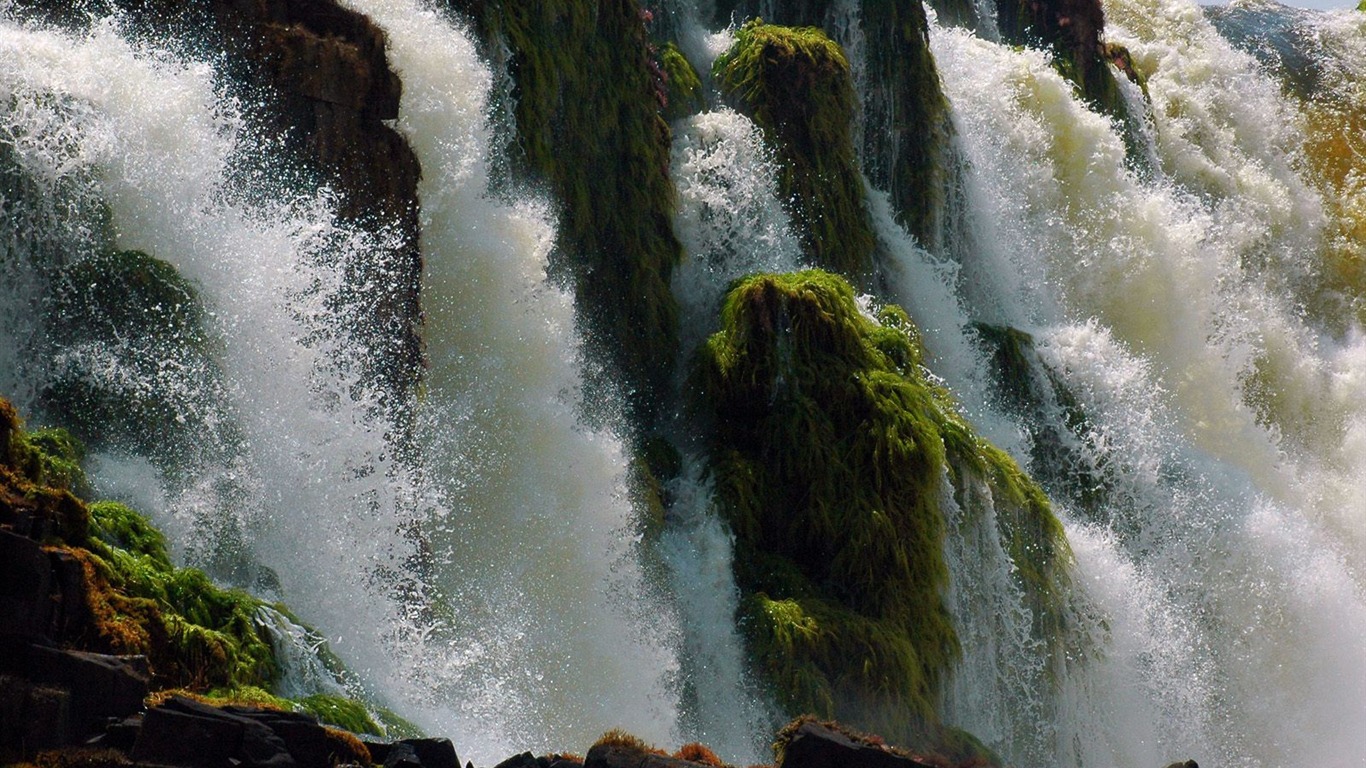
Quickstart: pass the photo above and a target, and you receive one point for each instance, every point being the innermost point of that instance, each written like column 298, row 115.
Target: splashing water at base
column 554, row 635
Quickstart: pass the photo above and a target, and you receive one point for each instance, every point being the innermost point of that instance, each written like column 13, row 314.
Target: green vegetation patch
column 588, row 96
column 686, row 96
column 829, row 451
column 796, row 85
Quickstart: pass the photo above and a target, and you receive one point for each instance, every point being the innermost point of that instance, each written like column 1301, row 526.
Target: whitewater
column 499, row 588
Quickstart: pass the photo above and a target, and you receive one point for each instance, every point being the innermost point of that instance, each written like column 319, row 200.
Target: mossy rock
column 829, row 448
column 37, row 474
column 796, row 85
column 587, row 100
column 828, row 455
column 906, row 147
column 119, row 526
column 52, row 457
column 342, row 713
column 133, row 313
column 128, row 291
column 686, row 97
column 941, row 746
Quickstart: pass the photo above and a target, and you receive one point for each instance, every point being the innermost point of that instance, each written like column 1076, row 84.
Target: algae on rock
column 830, row 447
column 125, row 596
column 588, row 96
column 904, row 132
column 685, row 94
column 796, row 85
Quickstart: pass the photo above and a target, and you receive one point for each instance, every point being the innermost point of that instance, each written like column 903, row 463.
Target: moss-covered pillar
column 796, row 85
column 588, row 90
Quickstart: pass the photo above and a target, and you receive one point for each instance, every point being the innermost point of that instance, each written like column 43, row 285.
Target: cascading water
column 154, row 144
column 1203, row 374
column 1169, row 308
column 551, row 635
column 494, row 590
column 732, row 224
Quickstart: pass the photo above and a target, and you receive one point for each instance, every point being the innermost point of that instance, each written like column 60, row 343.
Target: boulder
column 32, row 717
column 814, row 745
column 101, row 686
column 304, row 737
column 26, row 588
column 621, row 755
column 432, row 753
column 184, row 732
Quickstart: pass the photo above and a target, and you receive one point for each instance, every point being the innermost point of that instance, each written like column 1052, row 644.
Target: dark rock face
column 1072, row 29
column 183, row 732
column 326, row 66
column 314, row 78
column 796, row 85
column 813, row 745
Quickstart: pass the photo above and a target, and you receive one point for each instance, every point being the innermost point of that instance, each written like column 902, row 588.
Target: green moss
column 395, row 726
column 119, row 526
column 908, row 130
column 828, row 454
column 37, row 474
column 341, row 712
column 52, row 457
column 796, row 85
column 245, row 695
column 686, row 96
column 587, row 97
column 830, row 445
column 906, row 139
column 131, row 312
column 196, row 634
column 124, row 290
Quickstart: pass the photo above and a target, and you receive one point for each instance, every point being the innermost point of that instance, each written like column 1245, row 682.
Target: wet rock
column 524, row 760
column 183, row 732
column 101, row 686
column 630, row 756
column 32, row 717
column 813, row 745
column 26, row 587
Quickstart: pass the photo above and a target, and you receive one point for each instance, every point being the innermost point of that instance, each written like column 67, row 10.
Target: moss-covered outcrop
column 138, row 366
column 796, row 85
column 106, row 584
column 829, row 453
column 685, row 93
column 588, row 95
column 904, row 137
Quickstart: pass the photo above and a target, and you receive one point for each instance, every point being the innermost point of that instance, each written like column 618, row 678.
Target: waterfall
column 1195, row 342
column 155, row 143
column 553, row 635
column 1169, row 308
column 493, row 591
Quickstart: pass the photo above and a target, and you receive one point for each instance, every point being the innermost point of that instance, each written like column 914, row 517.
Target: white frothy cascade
column 1216, row 578
column 553, row 635
column 158, row 138
column 495, row 590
